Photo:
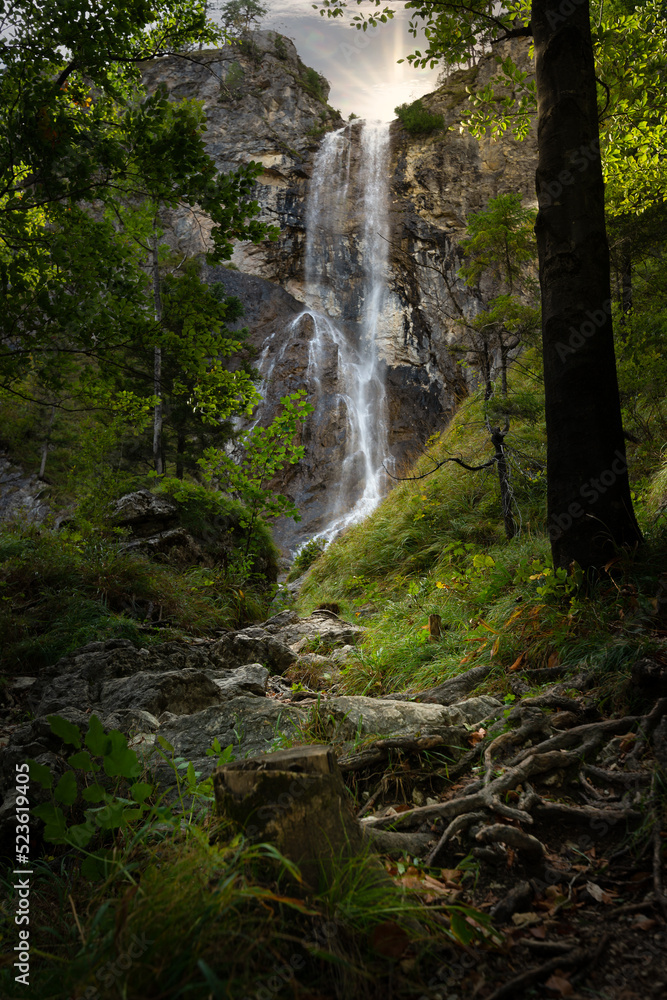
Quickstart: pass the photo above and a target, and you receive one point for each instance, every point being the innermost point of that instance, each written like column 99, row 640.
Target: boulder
column 179, row 691
column 83, row 678
column 252, row 678
column 355, row 715
column 249, row 724
column 144, row 513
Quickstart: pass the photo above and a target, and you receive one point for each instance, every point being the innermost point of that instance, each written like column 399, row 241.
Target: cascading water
column 348, row 200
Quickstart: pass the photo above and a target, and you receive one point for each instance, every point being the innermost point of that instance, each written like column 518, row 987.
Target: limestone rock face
column 21, row 495
column 262, row 104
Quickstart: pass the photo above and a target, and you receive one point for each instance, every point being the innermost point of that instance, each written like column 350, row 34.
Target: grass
column 436, row 546
column 190, row 909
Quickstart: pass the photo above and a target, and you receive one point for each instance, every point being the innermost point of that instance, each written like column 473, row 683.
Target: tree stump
column 296, row 800
column 434, row 627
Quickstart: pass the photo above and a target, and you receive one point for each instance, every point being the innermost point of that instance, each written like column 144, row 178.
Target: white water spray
column 348, row 200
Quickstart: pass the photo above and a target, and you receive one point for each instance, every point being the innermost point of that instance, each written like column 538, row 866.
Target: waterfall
column 347, row 203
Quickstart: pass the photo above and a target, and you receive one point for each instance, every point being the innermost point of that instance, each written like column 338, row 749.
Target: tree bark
column 588, row 496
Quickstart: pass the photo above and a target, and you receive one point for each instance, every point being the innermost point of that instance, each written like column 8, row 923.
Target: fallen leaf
column 518, row 663
column 525, row 919
column 389, row 939
column 451, row 874
column 643, row 923
column 538, row 932
column 560, row 985
column 627, row 742
column 474, row 738
column 598, row 894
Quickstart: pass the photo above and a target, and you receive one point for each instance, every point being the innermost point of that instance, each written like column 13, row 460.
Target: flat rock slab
column 84, row 678
column 249, row 724
column 355, row 715
column 179, row 691
column 323, row 626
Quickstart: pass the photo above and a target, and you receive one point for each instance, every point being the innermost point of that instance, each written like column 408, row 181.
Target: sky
column 360, row 66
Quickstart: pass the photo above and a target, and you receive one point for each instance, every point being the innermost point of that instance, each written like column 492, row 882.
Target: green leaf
column 40, row 774
column 96, row 739
column 119, row 760
column 55, row 827
column 68, row 732
column 66, row 790
column 81, row 834
column 82, row 760
column 94, row 793
column 461, row 929
column 140, row 791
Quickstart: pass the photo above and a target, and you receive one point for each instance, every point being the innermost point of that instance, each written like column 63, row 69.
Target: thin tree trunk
column 47, row 441
column 157, row 362
column 498, row 442
column 588, row 496
column 180, row 452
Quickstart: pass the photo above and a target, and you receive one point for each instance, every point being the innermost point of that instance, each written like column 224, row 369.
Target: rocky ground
column 547, row 815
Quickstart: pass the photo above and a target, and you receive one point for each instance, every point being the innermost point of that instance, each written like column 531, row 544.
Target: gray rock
column 252, row 678
column 83, row 678
column 355, row 715
column 143, row 508
column 323, row 626
column 250, row 725
column 179, row 691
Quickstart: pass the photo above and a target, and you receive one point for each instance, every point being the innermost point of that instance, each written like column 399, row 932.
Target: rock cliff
column 263, row 104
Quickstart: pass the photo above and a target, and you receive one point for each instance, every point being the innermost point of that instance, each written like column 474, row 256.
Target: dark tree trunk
column 588, row 496
column 498, row 442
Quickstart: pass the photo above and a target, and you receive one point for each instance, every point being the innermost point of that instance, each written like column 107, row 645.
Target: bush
column 418, row 120
column 306, row 556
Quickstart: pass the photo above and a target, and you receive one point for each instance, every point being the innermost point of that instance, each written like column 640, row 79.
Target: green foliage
column 306, row 556
column 265, row 450
column 114, row 806
column 312, row 82
column 73, row 132
column 500, row 238
column 238, row 16
column 62, row 590
column 417, row 119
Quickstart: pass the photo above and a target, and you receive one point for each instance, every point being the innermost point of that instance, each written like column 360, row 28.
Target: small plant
column 312, row 82
column 306, row 556
column 417, row 119
column 87, row 810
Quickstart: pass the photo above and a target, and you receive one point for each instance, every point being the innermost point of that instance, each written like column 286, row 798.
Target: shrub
column 418, row 120
column 306, row 556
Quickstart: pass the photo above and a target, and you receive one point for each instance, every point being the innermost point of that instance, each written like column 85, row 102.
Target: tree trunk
column 498, row 442
column 157, row 364
column 588, row 496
